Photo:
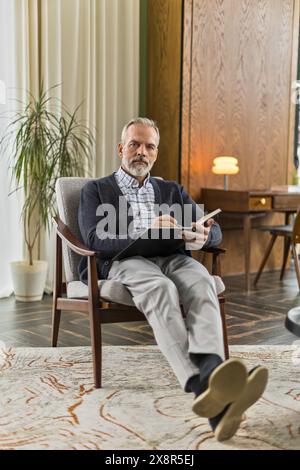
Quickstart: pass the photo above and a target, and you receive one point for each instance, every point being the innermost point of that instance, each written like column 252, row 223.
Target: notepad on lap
column 162, row 241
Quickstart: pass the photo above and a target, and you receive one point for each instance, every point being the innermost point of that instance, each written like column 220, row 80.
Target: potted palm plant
column 45, row 141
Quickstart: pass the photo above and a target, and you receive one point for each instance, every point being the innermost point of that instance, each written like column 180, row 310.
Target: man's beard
column 136, row 167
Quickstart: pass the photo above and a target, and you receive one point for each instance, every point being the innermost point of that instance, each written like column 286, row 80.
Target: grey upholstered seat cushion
column 220, row 286
column 114, row 291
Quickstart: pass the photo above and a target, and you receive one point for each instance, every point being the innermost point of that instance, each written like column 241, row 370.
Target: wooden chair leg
column 265, row 258
column 225, row 337
column 296, row 262
column 95, row 331
column 287, row 244
column 57, row 291
column 95, row 323
column 56, row 314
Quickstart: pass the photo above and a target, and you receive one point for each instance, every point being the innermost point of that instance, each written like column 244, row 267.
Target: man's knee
column 158, row 296
column 131, row 268
column 202, row 284
column 163, row 285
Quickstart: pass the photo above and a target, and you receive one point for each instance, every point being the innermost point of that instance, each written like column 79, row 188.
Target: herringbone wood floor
column 254, row 318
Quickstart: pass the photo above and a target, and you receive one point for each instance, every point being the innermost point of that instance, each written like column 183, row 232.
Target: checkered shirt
column 141, row 199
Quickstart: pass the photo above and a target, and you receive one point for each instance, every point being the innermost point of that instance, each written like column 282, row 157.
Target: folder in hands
column 161, row 241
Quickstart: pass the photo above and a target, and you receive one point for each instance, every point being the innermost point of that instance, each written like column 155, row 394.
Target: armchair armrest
column 65, row 234
column 215, row 252
column 72, row 242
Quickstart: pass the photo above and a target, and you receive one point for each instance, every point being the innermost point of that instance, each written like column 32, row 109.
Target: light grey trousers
column 158, row 286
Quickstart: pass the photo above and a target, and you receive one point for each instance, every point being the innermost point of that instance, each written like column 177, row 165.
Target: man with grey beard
column 161, row 284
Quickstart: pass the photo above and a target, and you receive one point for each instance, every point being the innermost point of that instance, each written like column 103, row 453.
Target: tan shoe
column 225, row 385
column 230, row 422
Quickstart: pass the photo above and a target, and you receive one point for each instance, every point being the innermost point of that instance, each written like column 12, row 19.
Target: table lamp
column 225, row 166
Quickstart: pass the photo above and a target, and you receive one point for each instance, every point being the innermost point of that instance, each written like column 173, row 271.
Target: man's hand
column 164, row 221
column 197, row 238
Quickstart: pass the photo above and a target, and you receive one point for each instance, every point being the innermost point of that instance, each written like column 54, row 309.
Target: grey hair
column 144, row 122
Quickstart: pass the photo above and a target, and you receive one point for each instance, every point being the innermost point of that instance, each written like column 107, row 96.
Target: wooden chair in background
column 291, row 236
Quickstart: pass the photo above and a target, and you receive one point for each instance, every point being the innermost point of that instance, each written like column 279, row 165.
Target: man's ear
column 120, row 150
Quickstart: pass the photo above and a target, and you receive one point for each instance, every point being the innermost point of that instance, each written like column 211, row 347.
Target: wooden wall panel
column 238, row 65
column 240, row 90
column 186, row 91
column 164, row 81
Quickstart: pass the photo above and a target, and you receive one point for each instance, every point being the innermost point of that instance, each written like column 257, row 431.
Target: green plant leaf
column 45, row 141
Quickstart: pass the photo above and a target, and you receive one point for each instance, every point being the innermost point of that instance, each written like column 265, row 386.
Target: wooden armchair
column 105, row 301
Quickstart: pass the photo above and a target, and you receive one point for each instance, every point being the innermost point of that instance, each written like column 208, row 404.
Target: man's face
column 139, row 152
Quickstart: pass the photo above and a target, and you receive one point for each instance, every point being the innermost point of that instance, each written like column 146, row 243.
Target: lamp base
column 226, row 182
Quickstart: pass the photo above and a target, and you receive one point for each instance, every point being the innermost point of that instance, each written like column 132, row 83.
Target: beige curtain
column 10, row 206
column 91, row 48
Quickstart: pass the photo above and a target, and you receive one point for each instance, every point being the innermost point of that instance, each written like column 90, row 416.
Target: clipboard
column 161, row 241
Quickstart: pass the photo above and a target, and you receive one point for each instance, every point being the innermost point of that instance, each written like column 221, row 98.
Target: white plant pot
column 29, row 281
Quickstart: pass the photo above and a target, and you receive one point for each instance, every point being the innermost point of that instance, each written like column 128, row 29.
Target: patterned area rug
column 47, row 401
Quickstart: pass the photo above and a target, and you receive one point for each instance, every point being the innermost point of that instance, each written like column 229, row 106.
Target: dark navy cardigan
column 106, row 191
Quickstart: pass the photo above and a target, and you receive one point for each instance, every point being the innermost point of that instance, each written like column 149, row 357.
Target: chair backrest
column 67, row 197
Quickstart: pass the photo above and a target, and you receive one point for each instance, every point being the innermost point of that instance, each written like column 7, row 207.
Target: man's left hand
column 196, row 238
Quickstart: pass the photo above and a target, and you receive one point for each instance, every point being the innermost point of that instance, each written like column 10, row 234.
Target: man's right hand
column 164, row 221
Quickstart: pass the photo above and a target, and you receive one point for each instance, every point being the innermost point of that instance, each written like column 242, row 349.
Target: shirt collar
column 129, row 181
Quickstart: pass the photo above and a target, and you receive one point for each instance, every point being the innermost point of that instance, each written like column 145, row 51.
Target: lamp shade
column 225, row 166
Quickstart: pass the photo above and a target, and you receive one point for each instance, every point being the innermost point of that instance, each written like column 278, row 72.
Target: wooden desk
column 249, row 205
